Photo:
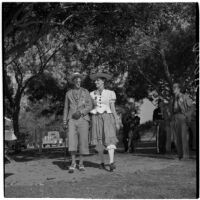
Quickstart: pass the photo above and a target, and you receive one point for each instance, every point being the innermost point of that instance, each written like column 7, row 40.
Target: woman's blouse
column 103, row 101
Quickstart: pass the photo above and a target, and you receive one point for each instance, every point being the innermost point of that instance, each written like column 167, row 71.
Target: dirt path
column 135, row 177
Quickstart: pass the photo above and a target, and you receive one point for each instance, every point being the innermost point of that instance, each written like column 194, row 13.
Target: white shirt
column 103, row 101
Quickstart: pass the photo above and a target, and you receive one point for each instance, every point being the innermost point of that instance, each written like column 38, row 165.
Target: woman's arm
column 112, row 107
column 65, row 111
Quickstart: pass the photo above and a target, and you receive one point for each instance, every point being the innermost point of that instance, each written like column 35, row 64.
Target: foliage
column 144, row 46
column 146, row 126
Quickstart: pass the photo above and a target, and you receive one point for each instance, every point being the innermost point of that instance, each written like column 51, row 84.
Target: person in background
column 158, row 118
column 77, row 105
column 105, row 121
column 127, row 120
column 167, row 116
column 183, row 110
column 192, row 125
column 134, row 135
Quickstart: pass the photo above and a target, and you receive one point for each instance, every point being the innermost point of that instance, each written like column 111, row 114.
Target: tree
column 138, row 43
column 167, row 47
column 23, row 70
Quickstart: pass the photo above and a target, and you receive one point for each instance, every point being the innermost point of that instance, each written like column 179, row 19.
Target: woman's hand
column 117, row 126
column 117, row 123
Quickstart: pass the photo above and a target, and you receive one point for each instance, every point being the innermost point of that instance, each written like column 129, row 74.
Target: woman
column 105, row 121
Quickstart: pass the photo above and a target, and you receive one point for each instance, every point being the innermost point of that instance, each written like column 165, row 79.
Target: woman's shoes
column 102, row 166
column 112, row 167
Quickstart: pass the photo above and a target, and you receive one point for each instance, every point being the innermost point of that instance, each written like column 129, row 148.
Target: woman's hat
column 100, row 75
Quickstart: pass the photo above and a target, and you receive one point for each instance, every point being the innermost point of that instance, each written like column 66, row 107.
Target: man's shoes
column 81, row 167
column 112, row 167
column 72, row 168
column 102, row 166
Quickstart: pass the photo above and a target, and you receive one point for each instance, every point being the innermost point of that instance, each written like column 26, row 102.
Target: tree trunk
column 16, row 121
column 16, row 111
column 166, row 70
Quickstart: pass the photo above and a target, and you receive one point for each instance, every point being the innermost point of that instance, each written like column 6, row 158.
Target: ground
column 137, row 176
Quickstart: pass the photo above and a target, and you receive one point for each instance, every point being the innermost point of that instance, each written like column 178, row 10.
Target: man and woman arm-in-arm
column 104, row 120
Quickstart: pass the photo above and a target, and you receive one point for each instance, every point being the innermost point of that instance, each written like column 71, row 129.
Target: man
column 183, row 109
column 193, row 128
column 78, row 104
column 127, row 119
column 134, row 134
column 158, row 118
column 167, row 115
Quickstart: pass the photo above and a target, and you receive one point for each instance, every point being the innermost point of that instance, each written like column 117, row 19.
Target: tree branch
column 41, row 69
column 39, row 51
column 56, row 50
column 149, row 80
column 18, row 71
column 166, row 69
column 16, row 74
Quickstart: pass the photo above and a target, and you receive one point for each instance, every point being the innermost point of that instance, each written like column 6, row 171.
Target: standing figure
column 192, row 124
column 158, row 118
column 167, row 114
column 127, row 120
column 78, row 104
column 134, row 134
column 183, row 110
column 105, row 121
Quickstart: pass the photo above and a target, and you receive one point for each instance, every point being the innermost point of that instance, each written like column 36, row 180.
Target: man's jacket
column 84, row 104
column 186, row 106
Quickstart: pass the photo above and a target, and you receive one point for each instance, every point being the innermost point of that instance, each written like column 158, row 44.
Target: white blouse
column 103, row 101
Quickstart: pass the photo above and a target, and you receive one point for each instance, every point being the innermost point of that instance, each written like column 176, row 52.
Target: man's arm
column 66, row 109
column 88, row 104
column 190, row 110
column 188, row 101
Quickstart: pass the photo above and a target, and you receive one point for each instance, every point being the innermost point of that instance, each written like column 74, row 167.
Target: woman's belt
column 102, row 109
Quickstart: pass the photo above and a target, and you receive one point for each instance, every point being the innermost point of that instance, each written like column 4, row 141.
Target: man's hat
column 100, row 75
column 76, row 75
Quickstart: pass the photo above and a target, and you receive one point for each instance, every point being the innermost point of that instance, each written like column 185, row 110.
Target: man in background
column 134, row 135
column 127, row 120
column 158, row 118
column 183, row 110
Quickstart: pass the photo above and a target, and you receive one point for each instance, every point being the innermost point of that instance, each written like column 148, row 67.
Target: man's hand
column 76, row 115
column 94, row 102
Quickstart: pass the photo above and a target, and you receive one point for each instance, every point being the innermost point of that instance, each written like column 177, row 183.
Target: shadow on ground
column 64, row 165
column 34, row 154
